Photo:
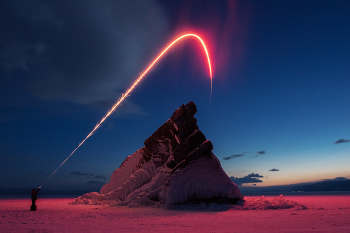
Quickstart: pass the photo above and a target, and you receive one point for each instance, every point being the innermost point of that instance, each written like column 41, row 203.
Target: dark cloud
column 85, row 52
column 251, row 178
column 75, row 173
column 274, row 170
column 259, row 153
column 100, row 177
column 254, row 175
column 342, row 141
column 234, row 156
column 95, row 182
column 242, row 154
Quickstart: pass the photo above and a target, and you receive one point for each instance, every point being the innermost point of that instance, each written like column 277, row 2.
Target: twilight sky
column 280, row 107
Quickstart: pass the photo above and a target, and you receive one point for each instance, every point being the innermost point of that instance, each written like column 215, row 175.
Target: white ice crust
column 131, row 164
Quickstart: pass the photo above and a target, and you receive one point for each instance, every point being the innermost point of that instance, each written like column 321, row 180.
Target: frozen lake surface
column 323, row 213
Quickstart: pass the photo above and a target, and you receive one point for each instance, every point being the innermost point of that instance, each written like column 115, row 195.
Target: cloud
column 342, row 141
column 100, row 177
column 75, row 173
column 95, row 182
column 84, row 52
column 259, row 153
column 242, row 154
column 234, row 156
column 251, row 178
column 274, row 170
column 254, row 175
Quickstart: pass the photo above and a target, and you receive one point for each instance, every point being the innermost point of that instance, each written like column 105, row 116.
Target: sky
column 279, row 112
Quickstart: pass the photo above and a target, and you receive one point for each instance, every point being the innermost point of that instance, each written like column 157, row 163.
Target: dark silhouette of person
column 34, row 197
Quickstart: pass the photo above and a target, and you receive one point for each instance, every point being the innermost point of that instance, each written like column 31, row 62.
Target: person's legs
column 33, row 207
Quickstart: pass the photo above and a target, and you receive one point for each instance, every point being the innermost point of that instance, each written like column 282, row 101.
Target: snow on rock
column 94, row 198
column 263, row 203
column 175, row 166
column 131, row 164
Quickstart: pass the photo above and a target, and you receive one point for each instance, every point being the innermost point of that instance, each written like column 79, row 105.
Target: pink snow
column 304, row 214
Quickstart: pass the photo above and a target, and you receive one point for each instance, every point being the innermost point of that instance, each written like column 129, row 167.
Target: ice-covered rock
column 175, row 166
column 130, row 165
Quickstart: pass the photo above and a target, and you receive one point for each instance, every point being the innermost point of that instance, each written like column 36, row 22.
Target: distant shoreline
column 43, row 192
column 306, row 193
column 76, row 193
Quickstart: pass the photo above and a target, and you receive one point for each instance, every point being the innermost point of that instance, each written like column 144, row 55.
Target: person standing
column 34, row 198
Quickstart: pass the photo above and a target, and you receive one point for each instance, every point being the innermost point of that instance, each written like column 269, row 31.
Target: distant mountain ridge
column 337, row 184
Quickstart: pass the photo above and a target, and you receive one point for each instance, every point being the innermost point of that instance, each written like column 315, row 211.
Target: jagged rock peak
column 176, row 165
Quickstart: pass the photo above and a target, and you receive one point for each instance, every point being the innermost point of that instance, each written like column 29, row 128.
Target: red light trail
column 121, row 99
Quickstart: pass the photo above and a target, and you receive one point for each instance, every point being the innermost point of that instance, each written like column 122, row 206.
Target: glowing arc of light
column 121, row 99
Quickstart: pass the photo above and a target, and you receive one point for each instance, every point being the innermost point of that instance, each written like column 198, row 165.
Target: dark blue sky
column 280, row 86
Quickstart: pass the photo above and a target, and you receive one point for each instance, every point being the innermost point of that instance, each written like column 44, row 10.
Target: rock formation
column 175, row 166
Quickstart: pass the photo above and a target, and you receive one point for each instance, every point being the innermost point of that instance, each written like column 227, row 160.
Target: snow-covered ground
column 304, row 214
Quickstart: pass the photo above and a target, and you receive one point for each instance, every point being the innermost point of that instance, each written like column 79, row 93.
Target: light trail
column 121, row 99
